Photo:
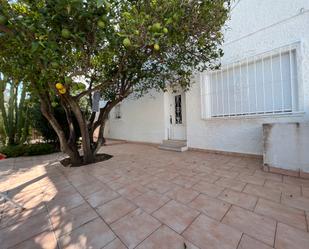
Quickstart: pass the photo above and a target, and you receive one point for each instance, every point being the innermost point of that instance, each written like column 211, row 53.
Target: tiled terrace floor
column 146, row 198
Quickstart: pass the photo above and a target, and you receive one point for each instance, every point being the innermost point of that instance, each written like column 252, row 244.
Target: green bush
column 28, row 149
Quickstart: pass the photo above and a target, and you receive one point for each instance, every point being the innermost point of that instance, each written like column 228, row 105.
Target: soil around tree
column 66, row 162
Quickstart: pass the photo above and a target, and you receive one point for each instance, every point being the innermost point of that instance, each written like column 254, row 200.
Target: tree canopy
column 116, row 47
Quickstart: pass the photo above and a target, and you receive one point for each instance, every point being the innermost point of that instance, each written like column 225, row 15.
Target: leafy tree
column 14, row 110
column 114, row 47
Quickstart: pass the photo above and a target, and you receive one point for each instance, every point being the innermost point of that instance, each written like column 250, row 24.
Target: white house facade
column 264, row 79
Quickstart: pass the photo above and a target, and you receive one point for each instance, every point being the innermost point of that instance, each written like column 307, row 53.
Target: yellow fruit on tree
column 59, row 86
column 62, row 91
column 156, row 47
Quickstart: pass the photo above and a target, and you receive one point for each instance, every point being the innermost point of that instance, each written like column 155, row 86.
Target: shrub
column 28, row 149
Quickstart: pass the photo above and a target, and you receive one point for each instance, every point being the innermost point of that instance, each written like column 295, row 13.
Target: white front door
column 177, row 116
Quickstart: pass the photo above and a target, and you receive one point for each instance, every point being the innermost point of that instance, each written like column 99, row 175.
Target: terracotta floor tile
column 45, row 240
column 65, row 221
column 257, row 180
column 165, row 238
column 66, row 202
column 226, row 173
column 305, row 191
column 24, row 230
column 238, row 198
column 284, row 214
column 208, row 188
column 296, row 181
column 283, row 187
column 185, row 181
column 115, row 209
column 176, row 215
column 210, row 206
column 250, row 243
column 231, row 183
column 115, row 244
column 257, row 226
column 210, row 178
column 267, row 175
column 101, row 197
column 161, row 186
column 90, row 188
column 183, row 195
column 299, row 202
column 95, row 234
column 267, row 193
column 207, row 233
column 135, row 227
column 132, row 191
column 151, row 201
column 290, row 238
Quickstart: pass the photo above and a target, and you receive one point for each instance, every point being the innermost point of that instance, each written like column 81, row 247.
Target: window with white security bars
column 262, row 85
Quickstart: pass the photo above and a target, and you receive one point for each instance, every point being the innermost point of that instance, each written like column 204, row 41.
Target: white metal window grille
column 178, row 110
column 264, row 84
column 118, row 111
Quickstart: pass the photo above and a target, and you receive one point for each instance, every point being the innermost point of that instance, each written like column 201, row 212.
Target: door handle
column 171, row 119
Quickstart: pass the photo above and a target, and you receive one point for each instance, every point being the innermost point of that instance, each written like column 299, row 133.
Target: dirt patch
column 66, row 162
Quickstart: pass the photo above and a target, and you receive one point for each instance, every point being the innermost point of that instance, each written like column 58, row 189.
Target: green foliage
column 41, row 124
column 28, row 149
column 152, row 44
column 14, row 109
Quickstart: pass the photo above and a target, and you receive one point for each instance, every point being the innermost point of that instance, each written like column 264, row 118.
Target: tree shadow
column 53, row 205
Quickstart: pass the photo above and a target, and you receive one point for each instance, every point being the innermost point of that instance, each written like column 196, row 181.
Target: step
column 173, row 148
column 171, row 142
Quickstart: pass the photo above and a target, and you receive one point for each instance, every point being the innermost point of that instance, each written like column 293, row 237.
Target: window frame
column 299, row 91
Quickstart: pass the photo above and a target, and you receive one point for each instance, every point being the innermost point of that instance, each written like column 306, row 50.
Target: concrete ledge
column 227, row 153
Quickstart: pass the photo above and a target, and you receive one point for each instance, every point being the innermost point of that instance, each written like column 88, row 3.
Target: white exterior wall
column 142, row 120
column 256, row 26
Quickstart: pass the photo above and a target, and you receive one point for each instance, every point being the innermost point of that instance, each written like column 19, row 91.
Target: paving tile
column 257, row 226
column 115, row 244
column 65, row 221
column 238, row 198
column 210, row 206
column 250, row 243
column 24, row 230
column 288, row 237
column 305, row 191
column 283, row 187
column 45, row 240
column 299, row 202
column 90, row 188
column 185, row 181
column 296, row 180
column 208, row 188
column 101, row 197
column 115, row 209
column 165, row 238
column 267, row 193
column 207, row 233
column 151, row 201
column 257, row 180
column 183, row 195
column 267, row 175
column 67, row 202
column 284, row 214
column 94, row 234
column 176, row 215
column 231, row 183
column 226, row 173
column 132, row 191
column 135, row 227
column 160, row 186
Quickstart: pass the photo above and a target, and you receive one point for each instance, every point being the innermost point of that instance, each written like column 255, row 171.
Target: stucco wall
column 255, row 27
column 141, row 120
column 286, row 146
